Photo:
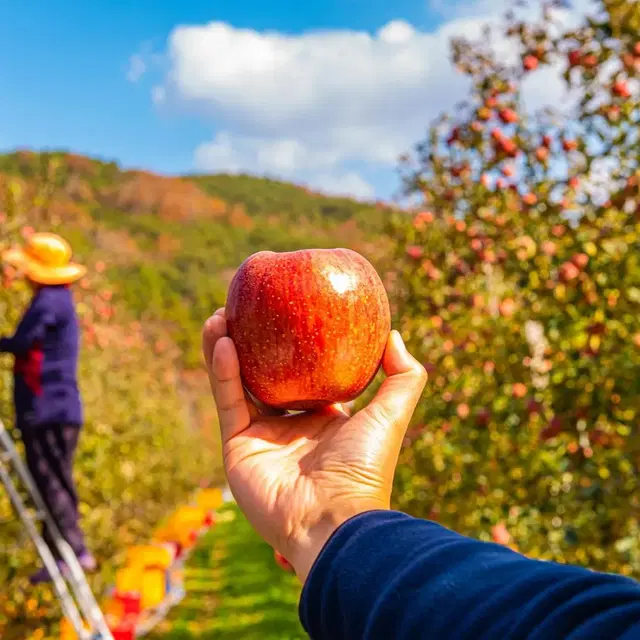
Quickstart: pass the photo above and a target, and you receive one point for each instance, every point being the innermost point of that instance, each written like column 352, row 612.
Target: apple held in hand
column 310, row 327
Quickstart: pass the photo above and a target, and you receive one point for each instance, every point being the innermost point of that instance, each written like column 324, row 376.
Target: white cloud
column 316, row 103
column 158, row 95
column 347, row 184
column 283, row 158
column 137, row 68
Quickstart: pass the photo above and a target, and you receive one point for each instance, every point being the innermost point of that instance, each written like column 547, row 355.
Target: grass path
column 234, row 590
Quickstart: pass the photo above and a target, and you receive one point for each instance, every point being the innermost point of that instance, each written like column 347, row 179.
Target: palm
column 283, row 467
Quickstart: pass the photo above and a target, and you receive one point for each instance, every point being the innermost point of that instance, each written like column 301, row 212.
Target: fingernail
column 398, row 341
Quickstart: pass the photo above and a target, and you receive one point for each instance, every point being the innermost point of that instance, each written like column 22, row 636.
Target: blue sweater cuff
column 349, row 536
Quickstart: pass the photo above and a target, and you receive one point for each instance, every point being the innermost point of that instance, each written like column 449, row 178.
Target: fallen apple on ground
column 310, row 327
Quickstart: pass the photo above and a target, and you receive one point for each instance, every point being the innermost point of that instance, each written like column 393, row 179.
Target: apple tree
column 517, row 282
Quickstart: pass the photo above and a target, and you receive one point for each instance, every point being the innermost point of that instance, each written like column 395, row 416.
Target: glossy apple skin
column 310, row 327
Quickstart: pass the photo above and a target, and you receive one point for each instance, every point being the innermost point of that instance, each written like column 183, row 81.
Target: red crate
column 131, row 602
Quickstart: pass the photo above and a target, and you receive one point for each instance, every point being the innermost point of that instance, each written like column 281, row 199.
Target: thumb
column 396, row 400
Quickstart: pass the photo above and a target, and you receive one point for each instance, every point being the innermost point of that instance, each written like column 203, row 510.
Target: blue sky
column 64, row 67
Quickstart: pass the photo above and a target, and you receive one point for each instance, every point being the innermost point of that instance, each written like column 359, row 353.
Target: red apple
column 414, row 251
column 549, row 248
column 507, row 307
column 568, row 271
column 463, row 411
column 508, row 116
column 542, row 153
column 454, row 136
column 621, row 89
column 575, row 57
column 533, row 407
column 310, row 327
column 483, row 416
column 530, row 63
column 500, row 534
column 519, row 390
column 581, row 260
column 553, row 429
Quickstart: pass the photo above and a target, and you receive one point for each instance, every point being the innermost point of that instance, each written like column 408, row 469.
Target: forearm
column 31, row 329
column 388, row 575
column 317, row 533
column 18, row 344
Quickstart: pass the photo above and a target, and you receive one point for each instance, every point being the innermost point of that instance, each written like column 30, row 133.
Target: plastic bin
column 210, row 499
column 154, row 588
column 129, row 579
column 126, row 630
column 151, row 555
column 67, row 632
column 130, row 602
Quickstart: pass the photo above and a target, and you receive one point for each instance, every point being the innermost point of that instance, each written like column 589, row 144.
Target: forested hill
column 170, row 244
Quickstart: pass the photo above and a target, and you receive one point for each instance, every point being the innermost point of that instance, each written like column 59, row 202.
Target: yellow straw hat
column 45, row 259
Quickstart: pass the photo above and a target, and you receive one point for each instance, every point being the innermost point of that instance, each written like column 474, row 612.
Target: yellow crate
column 210, row 499
column 151, row 555
column 129, row 579
column 67, row 632
column 154, row 588
column 182, row 525
column 187, row 517
column 163, row 534
column 113, row 611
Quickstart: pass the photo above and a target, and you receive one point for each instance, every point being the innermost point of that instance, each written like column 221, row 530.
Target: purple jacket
column 46, row 345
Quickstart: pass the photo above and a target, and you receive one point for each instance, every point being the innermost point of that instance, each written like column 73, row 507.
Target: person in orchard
column 47, row 400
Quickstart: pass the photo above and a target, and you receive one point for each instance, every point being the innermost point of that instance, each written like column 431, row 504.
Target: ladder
column 71, row 586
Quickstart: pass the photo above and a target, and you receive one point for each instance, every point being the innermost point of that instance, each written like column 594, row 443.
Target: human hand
column 298, row 477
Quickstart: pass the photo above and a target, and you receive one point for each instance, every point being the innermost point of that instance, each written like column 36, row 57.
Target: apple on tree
column 310, row 327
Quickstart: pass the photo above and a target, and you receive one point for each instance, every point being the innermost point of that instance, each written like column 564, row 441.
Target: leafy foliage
column 518, row 284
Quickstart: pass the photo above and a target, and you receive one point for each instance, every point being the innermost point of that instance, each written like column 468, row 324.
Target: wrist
column 307, row 545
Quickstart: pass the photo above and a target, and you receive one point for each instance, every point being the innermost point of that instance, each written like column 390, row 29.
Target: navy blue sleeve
column 31, row 329
column 387, row 575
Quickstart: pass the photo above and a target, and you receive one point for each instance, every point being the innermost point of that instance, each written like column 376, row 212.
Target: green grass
column 234, row 590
